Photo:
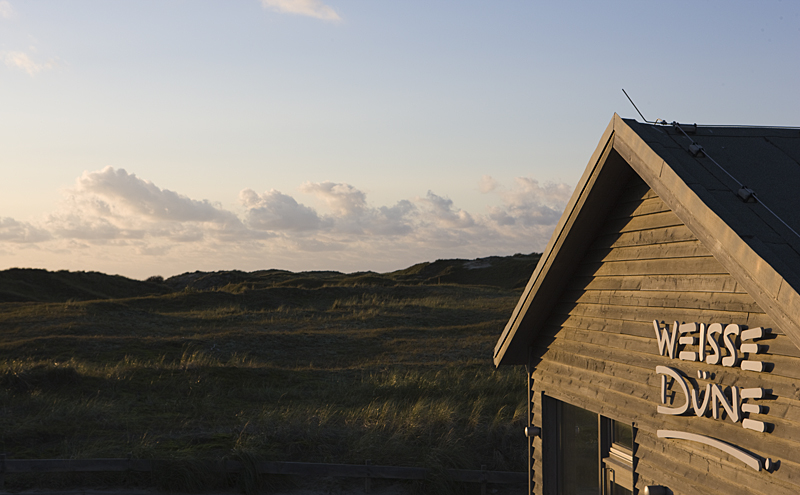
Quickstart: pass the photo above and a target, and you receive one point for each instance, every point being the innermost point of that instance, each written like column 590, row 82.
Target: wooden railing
column 366, row 471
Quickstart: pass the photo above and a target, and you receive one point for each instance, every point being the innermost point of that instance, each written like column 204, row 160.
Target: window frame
column 616, row 459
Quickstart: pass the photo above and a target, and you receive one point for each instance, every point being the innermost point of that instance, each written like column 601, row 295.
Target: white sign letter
column 664, row 370
column 713, row 329
column 666, row 341
column 700, row 409
column 733, row 356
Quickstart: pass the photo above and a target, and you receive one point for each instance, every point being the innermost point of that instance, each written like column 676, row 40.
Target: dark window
column 622, row 435
column 577, row 451
column 587, row 454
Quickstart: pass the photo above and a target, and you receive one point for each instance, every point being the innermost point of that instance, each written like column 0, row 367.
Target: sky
column 158, row 137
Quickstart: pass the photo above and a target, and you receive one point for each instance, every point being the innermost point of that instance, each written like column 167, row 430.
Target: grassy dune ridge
column 328, row 368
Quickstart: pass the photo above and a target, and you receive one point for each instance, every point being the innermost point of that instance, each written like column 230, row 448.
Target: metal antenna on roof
column 657, row 121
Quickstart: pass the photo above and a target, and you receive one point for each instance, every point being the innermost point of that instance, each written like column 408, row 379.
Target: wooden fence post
column 483, row 479
column 2, row 471
column 368, row 479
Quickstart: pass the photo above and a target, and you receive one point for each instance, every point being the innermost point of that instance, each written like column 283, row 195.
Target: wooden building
column 661, row 328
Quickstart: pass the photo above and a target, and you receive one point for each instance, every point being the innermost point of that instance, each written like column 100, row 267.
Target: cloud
column 112, row 204
column 128, row 193
column 351, row 215
column 114, row 216
column 6, row 10
column 348, row 214
column 441, row 211
column 21, row 232
column 21, row 60
column 395, row 220
column 278, row 212
column 343, row 199
column 487, row 184
column 87, row 227
column 527, row 203
column 310, row 8
column 501, row 216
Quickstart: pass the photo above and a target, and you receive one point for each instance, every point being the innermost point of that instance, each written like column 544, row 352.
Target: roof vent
column 747, row 195
column 695, row 149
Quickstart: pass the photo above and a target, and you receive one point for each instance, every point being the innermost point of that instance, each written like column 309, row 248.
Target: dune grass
column 396, row 375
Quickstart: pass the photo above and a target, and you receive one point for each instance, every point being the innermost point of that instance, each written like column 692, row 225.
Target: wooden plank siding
column 597, row 350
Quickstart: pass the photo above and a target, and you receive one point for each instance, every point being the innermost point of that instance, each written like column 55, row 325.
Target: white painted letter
column 703, row 337
column 733, row 355
column 700, row 409
column 666, row 341
column 665, row 370
column 687, row 328
column 753, row 393
column 753, row 333
column 714, row 357
column 718, row 398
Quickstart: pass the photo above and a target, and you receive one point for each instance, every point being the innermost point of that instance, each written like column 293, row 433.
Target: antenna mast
column 657, row 121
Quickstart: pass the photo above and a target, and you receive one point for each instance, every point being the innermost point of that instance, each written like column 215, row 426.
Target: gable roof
column 757, row 241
